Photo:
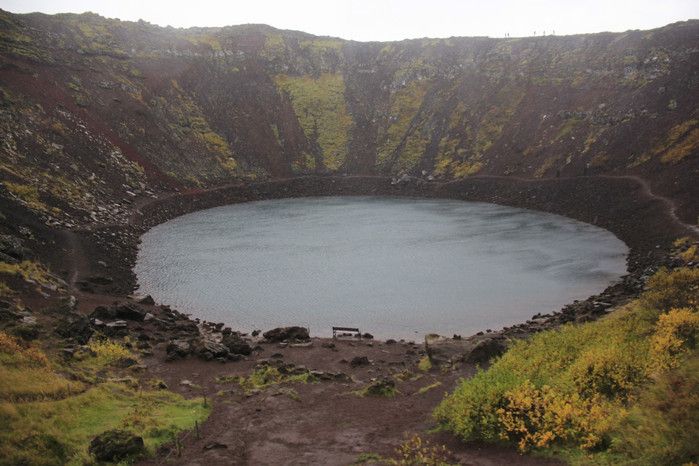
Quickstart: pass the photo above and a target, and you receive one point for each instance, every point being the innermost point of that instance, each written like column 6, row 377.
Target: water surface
column 394, row 267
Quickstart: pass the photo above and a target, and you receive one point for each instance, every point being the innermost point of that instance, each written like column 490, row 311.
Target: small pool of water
column 394, row 267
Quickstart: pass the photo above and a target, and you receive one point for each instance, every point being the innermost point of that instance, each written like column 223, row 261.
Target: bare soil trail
column 321, row 423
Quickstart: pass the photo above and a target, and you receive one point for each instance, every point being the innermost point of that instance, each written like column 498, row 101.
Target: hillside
column 97, row 111
column 108, row 128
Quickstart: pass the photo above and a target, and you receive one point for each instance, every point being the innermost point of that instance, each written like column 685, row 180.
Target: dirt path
column 670, row 205
column 323, row 423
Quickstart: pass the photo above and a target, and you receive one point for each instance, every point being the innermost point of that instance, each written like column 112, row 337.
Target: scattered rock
column 210, row 349
column 148, row 301
column 76, row 327
column 11, row 247
column 485, row 350
column 236, row 344
column 178, row 349
column 215, row 446
column 383, row 387
column 287, row 333
column 116, row 445
column 359, row 361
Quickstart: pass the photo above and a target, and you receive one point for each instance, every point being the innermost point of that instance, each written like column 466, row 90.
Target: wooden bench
column 347, row 329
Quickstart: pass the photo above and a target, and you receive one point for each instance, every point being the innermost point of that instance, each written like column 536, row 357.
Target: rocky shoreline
column 618, row 205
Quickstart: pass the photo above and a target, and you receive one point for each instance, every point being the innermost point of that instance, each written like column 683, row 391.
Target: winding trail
column 670, row 205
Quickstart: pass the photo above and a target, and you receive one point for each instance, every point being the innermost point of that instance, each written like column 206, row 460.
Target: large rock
column 210, row 349
column 117, row 445
column 478, row 349
column 11, row 247
column 287, row 333
column 485, row 350
column 236, row 344
column 76, row 327
column 178, row 349
column 123, row 312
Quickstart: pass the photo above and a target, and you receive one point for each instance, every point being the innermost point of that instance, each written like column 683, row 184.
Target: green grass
column 265, row 377
column 46, row 418
column 73, row 422
column 319, row 104
column 429, row 387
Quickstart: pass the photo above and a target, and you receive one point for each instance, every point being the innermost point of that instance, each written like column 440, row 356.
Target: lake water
column 394, row 267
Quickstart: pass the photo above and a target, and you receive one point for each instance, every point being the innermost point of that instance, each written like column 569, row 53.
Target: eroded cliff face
column 96, row 112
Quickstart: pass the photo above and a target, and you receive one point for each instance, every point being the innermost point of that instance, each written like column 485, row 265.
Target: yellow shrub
column 676, row 334
column 108, row 352
column 8, row 344
column 678, row 288
column 613, row 372
column 690, row 254
column 16, row 355
column 418, row 452
column 536, row 417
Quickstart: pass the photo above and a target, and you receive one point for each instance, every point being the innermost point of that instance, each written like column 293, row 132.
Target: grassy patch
column 266, row 376
column 571, row 389
column 30, row 271
column 424, row 364
column 59, row 432
column 319, row 104
column 26, row 374
column 28, row 194
column 380, row 388
column 429, row 387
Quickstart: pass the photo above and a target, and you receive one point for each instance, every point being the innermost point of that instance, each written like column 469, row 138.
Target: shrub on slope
column 573, row 388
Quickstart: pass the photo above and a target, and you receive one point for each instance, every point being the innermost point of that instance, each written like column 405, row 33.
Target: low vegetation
column 594, row 393
column 415, row 451
column 49, row 412
column 266, row 376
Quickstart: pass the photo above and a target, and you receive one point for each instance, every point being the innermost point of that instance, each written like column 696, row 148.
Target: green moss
column 424, row 364
column 378, row 388
column 274, row 47
column 566, row 128
column 429, row 387
column 207, row 40
column 266, row 376
column 30, row 271
column 28, row 194
column 319, row 105
column 493, row 122
column 680, row 141
column 403, row 108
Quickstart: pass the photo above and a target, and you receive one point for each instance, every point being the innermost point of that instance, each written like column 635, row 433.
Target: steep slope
column 95, row 111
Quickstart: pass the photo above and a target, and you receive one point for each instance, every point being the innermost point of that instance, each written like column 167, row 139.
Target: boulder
column 178, row 349
column 383, row 387
column 210, row 349
column 103, row 313
column 148, row 301
column 485, row 350
column 122, row 312
column 359, row 361
column 130, row 312
column 78, row 328
column 287, row 333
column 236, row 344
column 117, row 445
column 11, row 247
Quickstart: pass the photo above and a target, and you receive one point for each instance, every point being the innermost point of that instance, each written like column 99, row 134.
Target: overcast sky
column 390, row 19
